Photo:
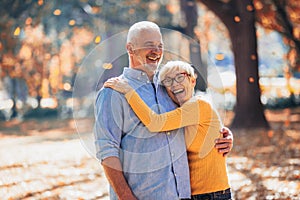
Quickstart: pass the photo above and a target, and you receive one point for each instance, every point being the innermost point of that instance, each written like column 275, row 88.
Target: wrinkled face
column 147, row 51
column 182, row 91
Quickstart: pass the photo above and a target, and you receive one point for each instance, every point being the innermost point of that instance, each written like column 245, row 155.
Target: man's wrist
column 127, row 196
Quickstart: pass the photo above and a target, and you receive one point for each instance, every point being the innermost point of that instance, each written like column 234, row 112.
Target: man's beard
column 149, row 67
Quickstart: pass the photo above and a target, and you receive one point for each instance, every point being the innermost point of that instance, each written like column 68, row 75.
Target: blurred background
column 54, row 56
column 43, row 44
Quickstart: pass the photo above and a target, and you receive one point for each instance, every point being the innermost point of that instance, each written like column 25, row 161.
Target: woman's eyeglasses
column 167, row 82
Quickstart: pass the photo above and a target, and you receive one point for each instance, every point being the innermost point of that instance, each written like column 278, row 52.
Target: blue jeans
column 220, row 195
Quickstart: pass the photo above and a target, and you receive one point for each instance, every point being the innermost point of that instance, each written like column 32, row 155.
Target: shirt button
column 175, row 174
column 168, row 133
column 143, row 73
column 172, row 154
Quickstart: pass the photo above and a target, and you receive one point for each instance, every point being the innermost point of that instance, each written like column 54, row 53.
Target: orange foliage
column 272, row 16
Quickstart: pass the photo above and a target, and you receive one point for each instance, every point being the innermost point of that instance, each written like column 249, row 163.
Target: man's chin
column 152, row 66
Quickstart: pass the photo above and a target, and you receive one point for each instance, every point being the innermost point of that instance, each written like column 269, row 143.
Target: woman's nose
column 174, row 83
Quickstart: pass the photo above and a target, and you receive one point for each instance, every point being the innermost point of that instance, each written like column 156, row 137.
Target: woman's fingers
column 118, row 84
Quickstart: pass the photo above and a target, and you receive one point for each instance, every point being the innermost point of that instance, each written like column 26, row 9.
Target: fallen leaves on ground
column 45, row 160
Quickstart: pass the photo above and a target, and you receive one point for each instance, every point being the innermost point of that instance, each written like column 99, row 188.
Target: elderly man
column 139, row 164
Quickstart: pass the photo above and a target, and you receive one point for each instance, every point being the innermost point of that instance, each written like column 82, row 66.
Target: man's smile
column 153, row 57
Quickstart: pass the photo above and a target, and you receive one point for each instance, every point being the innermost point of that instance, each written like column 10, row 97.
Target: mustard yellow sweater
column 208, row 171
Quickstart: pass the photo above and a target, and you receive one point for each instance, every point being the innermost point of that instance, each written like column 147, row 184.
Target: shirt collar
column 136, row 75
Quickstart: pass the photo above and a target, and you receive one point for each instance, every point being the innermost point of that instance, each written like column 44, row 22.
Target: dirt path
column 49, row 166
column 35, row 168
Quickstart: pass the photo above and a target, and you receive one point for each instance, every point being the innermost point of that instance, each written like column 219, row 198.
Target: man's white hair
column 138, row 27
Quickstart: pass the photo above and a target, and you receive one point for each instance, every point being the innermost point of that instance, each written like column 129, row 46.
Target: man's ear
column 129, row 47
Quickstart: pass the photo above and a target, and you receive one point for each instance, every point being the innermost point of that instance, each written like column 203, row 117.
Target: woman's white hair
column 138, row 27
column 176, row 66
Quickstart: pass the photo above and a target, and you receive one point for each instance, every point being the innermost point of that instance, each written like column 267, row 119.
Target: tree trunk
column 238, row 17
column 249, row 110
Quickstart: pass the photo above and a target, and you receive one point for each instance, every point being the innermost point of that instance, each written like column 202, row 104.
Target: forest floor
column 45, row 159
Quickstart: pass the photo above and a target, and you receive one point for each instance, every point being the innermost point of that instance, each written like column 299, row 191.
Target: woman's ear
column 193, row 81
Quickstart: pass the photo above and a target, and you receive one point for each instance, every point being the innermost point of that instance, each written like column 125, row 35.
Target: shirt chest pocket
column 132, row 126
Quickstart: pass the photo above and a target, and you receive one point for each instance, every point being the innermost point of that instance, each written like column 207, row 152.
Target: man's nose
column 156, row 49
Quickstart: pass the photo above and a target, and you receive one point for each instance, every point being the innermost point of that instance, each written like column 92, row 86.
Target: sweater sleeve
column 210, row 125
column 186, row 115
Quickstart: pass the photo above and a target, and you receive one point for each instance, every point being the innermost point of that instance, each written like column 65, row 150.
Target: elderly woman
column 208, row 173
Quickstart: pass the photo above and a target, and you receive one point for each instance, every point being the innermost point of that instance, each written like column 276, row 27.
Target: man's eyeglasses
column 167, row 82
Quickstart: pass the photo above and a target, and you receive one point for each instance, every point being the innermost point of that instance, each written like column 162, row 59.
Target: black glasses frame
column 167, row 82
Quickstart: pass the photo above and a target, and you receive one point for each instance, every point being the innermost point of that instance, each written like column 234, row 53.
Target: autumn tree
column 47, row 40
column 283, row 17
column 239, row 18
column 39, row 44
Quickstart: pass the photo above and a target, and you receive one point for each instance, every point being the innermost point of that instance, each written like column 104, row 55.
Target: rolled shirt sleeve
column 108, row 124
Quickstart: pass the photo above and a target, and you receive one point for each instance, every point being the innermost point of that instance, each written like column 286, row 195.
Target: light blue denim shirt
column 154, row 164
